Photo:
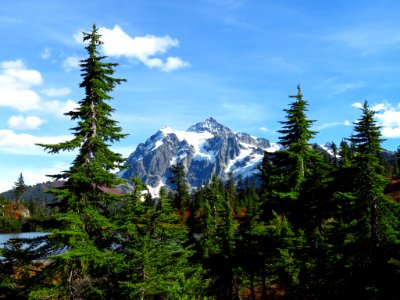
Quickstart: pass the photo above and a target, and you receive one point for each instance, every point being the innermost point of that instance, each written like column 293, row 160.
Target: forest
column 311, row 225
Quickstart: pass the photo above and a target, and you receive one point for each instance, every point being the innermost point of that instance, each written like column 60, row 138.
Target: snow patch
column 196, row 139
column 274, row 147
column 155, row 191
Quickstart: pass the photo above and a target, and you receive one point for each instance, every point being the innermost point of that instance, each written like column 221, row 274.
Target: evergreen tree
column 296, row 187
column 178, row 179
column 369, row 221
column 284, row 172
column 86, row 233
column 19, row 189
column 367, row 140
column 397, row 162
column 296, row 131
column 345, row 154
column 218, row 242
column 154, row 256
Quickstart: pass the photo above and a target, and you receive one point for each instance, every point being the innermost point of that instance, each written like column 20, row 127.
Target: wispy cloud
column 71, row 63
column 368, row 38
column 228, row 4
column 337, row 87
column 240, row 111
column 46, row 53
column 332, row 124
column 282, row 63
column 228, row 12
column 56, row 92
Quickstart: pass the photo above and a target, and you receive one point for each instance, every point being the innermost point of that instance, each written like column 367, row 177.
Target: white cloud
column 21, row 100
column 71, row 63
column 53, row 92
column 174, row 63
column 144, row 49
column 16, row 82
column 381, row 106
column 17, row 90
column 388, row 117
column 357, row 105
column 78, row 37
column 58, row 107
column 20, row 122
column 14, row 74
column 264, row 129
column 348, row 123
column 24, row 144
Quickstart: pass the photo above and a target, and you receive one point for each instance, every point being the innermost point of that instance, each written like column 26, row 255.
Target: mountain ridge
column 205, row 149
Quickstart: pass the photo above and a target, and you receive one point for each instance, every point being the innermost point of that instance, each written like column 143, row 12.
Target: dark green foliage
column 366, row 224
column 154, row 257
column 87, row 230
column 296, row 132
column 218, row 242
column 318, row 226
column 181, row 192
column 19, row 189
column 10, row 225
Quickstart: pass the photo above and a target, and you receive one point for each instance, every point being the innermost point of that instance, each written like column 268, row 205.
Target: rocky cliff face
column 205, row 149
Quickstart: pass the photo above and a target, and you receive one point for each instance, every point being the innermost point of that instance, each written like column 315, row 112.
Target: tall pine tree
column 367, row 243
column 296, row 131
column 86, row 232
column 19, row 189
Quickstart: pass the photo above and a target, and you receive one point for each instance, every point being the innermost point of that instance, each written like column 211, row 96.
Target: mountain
column 34, row 192
column 205, row 149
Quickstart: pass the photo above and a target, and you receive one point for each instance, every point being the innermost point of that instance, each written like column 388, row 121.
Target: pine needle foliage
column 87, row 230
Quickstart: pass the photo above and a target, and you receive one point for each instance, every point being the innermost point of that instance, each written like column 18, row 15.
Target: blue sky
column 184, row 61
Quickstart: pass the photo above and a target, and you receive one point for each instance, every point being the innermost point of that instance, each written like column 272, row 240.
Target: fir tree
column 296, row 131
column 218, row 242
column 86, row 234
column 368, row 220
column 367, row 140
column 154, row 256
column 19, row 189
column 178, row 179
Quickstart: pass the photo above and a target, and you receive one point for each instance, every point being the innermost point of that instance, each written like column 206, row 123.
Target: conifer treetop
column 94, row 130
column 296, row 130
column 367, row 136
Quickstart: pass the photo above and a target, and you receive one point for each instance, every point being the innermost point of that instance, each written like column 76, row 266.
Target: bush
column 10, row 225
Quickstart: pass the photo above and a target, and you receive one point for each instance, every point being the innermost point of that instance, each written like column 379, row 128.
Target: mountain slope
column 205, row 149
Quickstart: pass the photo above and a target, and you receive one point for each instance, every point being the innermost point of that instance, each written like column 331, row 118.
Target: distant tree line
column 317, row 226
column 18, row 214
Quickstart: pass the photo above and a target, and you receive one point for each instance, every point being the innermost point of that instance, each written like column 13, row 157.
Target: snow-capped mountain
column 205, row 149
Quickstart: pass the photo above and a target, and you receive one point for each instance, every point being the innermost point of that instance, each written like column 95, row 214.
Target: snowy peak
column 210, row 125
column 205, row 149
